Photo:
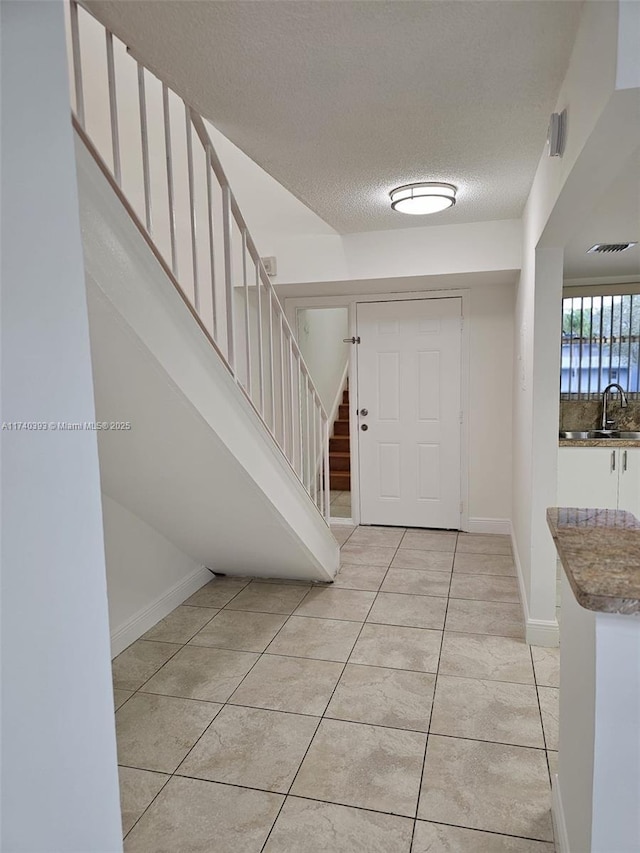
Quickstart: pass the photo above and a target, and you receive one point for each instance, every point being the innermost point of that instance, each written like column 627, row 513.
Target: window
column 600, row 344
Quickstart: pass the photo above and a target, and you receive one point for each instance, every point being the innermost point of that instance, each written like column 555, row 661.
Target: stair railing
column 156, row 153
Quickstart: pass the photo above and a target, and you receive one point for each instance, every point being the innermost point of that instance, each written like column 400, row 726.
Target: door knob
column 364, row 427
column 364, row 412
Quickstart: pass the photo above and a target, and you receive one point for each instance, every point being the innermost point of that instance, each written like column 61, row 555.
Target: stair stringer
column 197, row 464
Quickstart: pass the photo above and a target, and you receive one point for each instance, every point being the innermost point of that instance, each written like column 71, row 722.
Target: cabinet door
column 629, row 480
column 588, row 477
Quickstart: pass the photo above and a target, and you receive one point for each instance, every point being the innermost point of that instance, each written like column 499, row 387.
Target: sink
column 584, row 435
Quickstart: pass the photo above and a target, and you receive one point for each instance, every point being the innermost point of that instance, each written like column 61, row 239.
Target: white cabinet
column 629, row 480
column 604, row 477
column 588, row 476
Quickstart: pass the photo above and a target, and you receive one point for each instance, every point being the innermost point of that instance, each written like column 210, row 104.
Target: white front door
column 409, row 412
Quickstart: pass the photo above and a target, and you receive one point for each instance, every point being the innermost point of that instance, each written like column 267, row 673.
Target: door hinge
column 461, row 507
column 461, row 324
column 461, row 419
column 351, row 340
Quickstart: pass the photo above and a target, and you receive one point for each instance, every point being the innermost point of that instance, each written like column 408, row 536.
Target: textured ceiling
column 340, row 101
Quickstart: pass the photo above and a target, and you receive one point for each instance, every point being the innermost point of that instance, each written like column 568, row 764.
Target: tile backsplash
column 587, row 414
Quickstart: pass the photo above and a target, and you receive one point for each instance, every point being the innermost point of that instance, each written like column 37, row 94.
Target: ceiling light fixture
column 423, row 198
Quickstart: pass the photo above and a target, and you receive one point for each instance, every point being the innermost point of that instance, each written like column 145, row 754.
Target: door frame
column 294, row 304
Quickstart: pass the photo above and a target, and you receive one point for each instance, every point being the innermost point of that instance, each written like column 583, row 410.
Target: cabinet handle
column 624, row 461
column 613, row 460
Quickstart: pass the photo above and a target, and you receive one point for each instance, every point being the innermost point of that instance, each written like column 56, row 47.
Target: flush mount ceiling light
column 420, row 199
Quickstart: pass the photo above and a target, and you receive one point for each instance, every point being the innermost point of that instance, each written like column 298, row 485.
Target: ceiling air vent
column 609, row 248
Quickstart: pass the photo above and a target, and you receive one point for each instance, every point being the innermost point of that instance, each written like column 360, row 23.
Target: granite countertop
column 600, row 554
column 598, row 442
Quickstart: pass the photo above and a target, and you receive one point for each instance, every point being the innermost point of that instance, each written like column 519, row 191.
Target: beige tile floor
column 396, row 711
column 340, row 504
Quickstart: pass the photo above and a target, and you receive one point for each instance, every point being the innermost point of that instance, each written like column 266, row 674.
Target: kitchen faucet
column 606, row 423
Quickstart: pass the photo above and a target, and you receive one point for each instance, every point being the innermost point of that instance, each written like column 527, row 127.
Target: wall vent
column 608, row 248
column 557, row 133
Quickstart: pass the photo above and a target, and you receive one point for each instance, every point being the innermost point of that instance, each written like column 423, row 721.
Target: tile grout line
column 338, row 719
column 406, row 817
column 222, row 705
column 433, row 702
column 322, row 717
column 544, row 734
column 197, row 741
column 182, row 646
column 139, row 818
column 140, row 690
column 341, row 544
column 364, row 622
column 185, row 642
column 228, row 703
column 348, row 806
column 434, row 683
column 377, row 592
column 343, row 619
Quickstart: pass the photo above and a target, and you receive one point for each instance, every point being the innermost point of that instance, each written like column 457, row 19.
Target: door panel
column 389, row 465
column 388, row 396
column 428, row 386
column 428, row 472
column 409, row 377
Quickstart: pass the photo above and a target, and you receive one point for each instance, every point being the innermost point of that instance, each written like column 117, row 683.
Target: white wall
column 434, row 250
column 628, row 67
column 490, row 401
column 267, row 206
column 59, row 774
column 147, row 576
column 598, row 787
column 430, row 250
column 574, row 792
column 489, row 309
column 320, row 336
column 616, row 761
column 600, row 136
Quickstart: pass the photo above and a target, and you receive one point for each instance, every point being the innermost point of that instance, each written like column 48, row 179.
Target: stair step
column 341, row 428
column 339, row 461
column 339, row 443
column 343, row 412
column 340, row 481
column 345, row 396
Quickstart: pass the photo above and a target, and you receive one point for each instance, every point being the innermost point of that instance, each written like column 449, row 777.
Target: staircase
column 228, row 452
column 340, row 449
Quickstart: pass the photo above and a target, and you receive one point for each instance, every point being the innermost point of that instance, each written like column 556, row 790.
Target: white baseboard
column 489, row 525
column 542, row 633
column 146, row 618
column 557, row 814
column 538, row 632
column 347, row 522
